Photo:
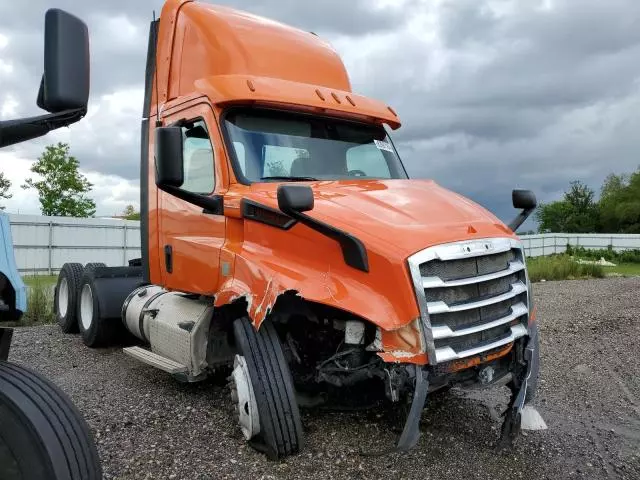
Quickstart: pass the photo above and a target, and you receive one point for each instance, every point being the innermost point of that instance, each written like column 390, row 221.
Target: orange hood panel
column 393, row 218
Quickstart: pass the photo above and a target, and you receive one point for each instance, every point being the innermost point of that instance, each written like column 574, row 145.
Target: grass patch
column 625, row 256
column 39, row 302
column 30, row 280
column 624, row 269
column 561, row 267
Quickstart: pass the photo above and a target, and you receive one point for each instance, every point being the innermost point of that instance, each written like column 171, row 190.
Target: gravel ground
column 149, row 426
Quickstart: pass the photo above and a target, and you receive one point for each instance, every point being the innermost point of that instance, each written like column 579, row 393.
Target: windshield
column 278, row 146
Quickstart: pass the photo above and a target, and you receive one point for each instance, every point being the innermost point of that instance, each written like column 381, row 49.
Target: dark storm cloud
column 516, row 95
column 118, row 36
column 493, row 95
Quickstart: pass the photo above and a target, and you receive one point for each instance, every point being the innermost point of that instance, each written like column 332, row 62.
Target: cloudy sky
column 493, row 94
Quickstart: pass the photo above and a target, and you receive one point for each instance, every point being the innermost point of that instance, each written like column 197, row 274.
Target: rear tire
column 96, row 330
column 66, row 295
column 42, row 434
column 280, row 429
column 89, row 267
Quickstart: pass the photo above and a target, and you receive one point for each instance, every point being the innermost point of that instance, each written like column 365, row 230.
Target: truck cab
column 283, row 238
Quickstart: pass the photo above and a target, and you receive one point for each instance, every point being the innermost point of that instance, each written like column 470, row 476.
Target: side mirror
column 64, row 89
column 295, row 198
column 526, row 200
column 169, row 161
column 65, row 82
column 170, row 172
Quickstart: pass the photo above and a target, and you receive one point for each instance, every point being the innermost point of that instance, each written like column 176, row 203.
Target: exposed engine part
column 376, row 345
column 354, row 332
column 175, row 325
column 397, row 377
column 243, row 396
column 486, row 375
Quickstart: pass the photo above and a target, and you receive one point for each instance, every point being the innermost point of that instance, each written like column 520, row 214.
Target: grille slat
column 440, row 306
column 475, row 302
column 445, row 331
column 436, row 282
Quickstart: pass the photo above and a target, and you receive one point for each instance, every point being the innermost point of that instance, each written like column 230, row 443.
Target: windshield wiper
column 289, row 178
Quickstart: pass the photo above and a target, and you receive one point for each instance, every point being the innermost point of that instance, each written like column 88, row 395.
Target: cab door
column 190, row 238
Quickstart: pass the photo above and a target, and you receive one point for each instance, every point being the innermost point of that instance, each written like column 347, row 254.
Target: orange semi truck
column 283, row 239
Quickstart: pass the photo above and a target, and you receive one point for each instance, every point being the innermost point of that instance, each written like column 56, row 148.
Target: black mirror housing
column 524, row 199
column 169, row 161
column 66, row 78
column 295, row 198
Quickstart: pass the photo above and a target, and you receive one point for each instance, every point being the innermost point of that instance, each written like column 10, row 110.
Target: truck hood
column 403, row 216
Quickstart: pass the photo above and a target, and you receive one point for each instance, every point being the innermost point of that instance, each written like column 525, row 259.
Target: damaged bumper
column 523, row 387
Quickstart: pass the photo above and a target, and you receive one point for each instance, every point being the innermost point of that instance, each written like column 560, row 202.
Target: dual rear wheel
column 78, row 308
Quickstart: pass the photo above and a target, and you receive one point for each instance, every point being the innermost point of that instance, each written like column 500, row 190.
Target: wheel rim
column 86, row 306
column 63, row 297
column 242, row 394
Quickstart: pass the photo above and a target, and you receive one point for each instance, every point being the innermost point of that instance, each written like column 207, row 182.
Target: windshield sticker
column 383, row 145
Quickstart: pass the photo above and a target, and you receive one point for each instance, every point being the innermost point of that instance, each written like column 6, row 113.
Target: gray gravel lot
column 149, row 426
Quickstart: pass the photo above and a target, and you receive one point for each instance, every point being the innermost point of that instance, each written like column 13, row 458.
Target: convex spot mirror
column 65, row 82
column 524, row 199
column 295, row 198
column 169, row 161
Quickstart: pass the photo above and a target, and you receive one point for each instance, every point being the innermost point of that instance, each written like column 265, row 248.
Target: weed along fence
column 550, row 243
column 43, row 244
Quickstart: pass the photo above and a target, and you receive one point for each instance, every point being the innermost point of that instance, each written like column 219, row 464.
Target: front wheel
column 42, row 434
column 263, row 391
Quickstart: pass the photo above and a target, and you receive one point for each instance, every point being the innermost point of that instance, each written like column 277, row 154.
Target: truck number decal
column 383, row 145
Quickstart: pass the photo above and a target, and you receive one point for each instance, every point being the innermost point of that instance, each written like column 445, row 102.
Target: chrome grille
column 473, row 296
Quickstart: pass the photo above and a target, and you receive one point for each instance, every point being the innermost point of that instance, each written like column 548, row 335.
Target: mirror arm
column 212, row 205
column 353, row 250
column 520, row 219
column 20, row 130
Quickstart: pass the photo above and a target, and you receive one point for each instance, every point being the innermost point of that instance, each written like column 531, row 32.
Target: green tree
column 577, row 212
column 130, row 213
column 62, row 189
column 620, row 204
column 5, row 185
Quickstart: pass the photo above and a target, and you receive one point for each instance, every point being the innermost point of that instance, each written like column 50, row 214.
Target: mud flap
column 513, row 415
column 5, row 342
column 411, row 431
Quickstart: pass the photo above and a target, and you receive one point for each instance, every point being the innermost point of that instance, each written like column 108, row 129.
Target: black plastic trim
column 150, row 67
column 5, row 342
column 353, row 250
column 144, row 150
column 168, row 258
column 250, row 209
column 144, row 199
column 211, row 204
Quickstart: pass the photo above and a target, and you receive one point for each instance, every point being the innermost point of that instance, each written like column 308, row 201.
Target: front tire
column 42, row 434
column 279, row 429
column 66, row 294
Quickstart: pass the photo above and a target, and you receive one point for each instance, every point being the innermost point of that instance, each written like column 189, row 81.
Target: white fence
column 43, row 244
column 550, row 243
